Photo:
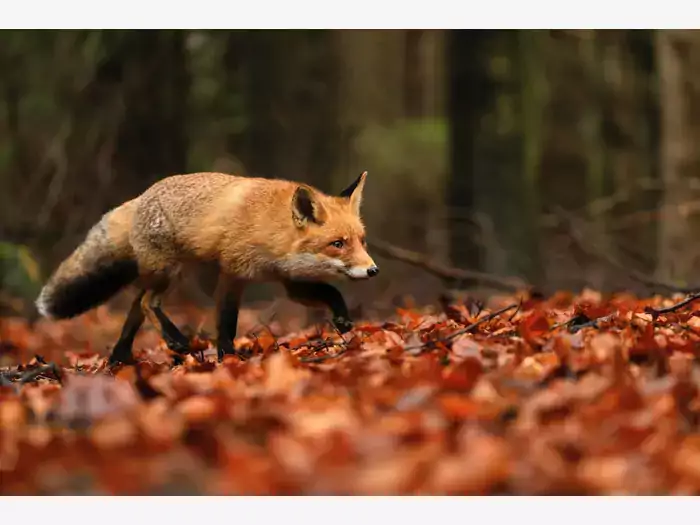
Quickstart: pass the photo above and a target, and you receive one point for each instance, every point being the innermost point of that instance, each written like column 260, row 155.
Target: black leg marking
column 227, row 324
column 173, row 337
column 229, row 293
column 176, row 340
column 121, row 353
column 308, row 292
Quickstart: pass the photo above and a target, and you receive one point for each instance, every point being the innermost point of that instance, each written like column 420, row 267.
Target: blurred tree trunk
column 12, row 65
column 565, row 161
column 630, row 132
column 233, row 83
column 128, row 127
column 678, row 55
column 530, row 47
column 152, row 140
column 469, row 91
column 598, row 179
column 568, row 173
column 495, row 114
column 291, row 92
column 372, row 72
column 414, row 76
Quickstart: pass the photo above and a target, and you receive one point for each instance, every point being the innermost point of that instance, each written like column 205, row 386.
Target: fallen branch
column 464, row 330
column 674, row 307
column 4, row 381
column 444, row 272
column 33, row 374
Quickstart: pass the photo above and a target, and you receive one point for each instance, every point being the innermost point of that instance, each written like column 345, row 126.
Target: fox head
column 331, row 242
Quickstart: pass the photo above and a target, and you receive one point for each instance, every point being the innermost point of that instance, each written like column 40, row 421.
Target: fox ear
column 354, row 192
column 306, row 208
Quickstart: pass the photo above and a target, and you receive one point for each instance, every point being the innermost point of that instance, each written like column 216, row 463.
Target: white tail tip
column 42, row 306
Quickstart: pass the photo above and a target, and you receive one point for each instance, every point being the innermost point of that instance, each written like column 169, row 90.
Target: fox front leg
column 312, row 293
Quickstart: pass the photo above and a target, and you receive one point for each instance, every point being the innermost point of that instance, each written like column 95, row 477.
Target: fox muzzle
column 362, row 272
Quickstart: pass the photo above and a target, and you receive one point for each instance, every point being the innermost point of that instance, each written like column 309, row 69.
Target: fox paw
column 342, row 324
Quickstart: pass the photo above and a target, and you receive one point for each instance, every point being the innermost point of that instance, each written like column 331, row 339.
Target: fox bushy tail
column 91, row 275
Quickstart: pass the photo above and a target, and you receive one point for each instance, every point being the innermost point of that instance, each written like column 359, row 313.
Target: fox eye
column 338, row 244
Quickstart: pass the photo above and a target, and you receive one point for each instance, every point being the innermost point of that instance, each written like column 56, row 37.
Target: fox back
column 254, row 228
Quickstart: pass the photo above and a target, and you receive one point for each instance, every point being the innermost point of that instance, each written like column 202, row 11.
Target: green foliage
column 414, row 149
column 20, row 276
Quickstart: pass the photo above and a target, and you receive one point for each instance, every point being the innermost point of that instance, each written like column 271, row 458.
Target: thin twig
column 267, row 327
column 324, row 357
column 520, row 304
column 580, row 321
column 573, row 328
column 464, row 330
column 606, row 204
column 321, row 344
column 315, row 344
column 263, row 325
column 591, row 248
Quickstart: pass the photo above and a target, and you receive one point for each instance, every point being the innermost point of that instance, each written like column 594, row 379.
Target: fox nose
column 372, row 271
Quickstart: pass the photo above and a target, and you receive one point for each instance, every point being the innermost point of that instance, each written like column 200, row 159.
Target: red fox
column 254, row 229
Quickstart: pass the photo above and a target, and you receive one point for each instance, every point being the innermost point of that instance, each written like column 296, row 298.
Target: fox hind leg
column 155, row 249
column 122, row 351
column 171, row 334
column 228, row 301
column 311, row 293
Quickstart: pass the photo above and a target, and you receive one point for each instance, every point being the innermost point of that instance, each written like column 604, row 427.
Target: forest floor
column 568, row 394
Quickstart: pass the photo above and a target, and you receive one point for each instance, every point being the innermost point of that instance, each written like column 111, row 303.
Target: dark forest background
column 561, row 159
